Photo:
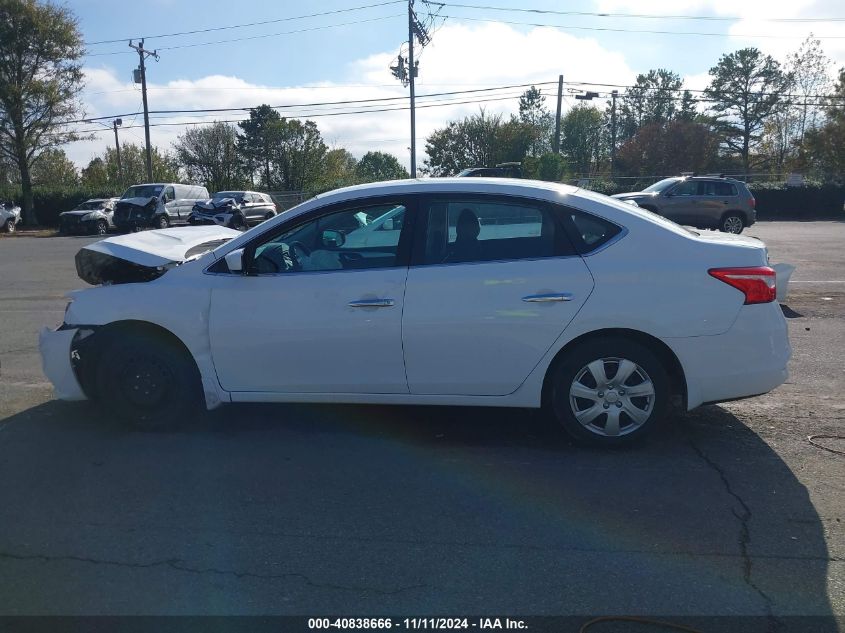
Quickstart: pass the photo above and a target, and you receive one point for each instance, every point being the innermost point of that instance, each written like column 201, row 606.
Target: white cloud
column 754, row 26
column 459, row 58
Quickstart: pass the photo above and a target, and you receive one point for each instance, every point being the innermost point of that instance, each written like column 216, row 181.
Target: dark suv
column 706, row 202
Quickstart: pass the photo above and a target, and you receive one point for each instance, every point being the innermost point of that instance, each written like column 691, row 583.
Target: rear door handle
column 546, row 298
column 372, row 303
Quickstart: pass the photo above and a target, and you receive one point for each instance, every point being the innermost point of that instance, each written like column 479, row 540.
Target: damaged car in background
column 10, row 217
column 93, row 217
column 452, row 291
column 156, row 205
column 234, row 209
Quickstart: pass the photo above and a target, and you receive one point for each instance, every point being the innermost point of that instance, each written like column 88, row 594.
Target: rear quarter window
column 589, row 232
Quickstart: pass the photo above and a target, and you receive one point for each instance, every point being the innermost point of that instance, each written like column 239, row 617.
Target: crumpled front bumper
column 55, row 347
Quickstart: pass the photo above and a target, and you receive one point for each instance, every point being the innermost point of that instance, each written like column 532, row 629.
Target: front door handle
column 546, row 298
column 372, row 303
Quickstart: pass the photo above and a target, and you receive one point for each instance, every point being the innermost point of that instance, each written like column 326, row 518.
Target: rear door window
column 725, row 189
column 462, row 229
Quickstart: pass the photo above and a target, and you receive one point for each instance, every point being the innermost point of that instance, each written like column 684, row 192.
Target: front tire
column 101, row 228
column 162, row 222
column 609, row 392
column 149, row 382
column 9, row 227
column 732, row 223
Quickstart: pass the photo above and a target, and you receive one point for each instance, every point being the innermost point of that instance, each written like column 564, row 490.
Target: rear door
column 712, row 202
column 494, row 282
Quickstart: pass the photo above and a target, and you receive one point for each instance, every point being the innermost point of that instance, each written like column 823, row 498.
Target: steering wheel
column 296, row 248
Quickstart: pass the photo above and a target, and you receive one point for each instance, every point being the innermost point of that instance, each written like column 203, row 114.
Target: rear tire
column 270, row 215
column 732, row 223
column 595, row 404
column 149, row 382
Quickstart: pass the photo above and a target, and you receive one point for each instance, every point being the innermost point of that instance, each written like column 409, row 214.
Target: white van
column 156, row 205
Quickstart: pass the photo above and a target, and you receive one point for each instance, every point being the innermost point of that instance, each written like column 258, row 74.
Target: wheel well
column 91, row 349
column 671, row 364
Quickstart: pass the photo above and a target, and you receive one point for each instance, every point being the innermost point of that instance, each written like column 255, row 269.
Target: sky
column 297, row 61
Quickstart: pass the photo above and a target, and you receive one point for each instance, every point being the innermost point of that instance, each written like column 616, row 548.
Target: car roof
column 512, row 186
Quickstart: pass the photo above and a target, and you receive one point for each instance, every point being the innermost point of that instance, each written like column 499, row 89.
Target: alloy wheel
column 611, row 397
column 732, row 224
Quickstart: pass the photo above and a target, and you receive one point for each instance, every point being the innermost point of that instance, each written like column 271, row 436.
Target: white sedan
column 480, row 292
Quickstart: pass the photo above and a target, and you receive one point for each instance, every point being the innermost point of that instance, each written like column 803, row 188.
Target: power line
column 257, row 37
column 245, row 25
column 652, row 32
column 313, row 115
column 627, row 15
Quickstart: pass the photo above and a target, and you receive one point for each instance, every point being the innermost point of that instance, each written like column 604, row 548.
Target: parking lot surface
column 314, row 510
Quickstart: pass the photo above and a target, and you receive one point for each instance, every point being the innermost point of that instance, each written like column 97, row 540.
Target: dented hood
column 147, row 255
column 138, row 202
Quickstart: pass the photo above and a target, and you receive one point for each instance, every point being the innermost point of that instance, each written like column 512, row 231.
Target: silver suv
column 706, row 202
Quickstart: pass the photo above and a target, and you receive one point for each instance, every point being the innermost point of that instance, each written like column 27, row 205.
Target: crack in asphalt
column 744, row 517
column 179, row 565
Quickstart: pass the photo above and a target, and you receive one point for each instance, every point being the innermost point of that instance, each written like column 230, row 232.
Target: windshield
column 237, row 195
column 90, row 205
column 661, row 186
column 142, row 191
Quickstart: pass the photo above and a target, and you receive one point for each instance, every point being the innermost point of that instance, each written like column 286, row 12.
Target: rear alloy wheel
column 732, row 223
column 10, row 226
column 609, row 392
column 270, row 215
column 147, row 381
column 102, row 227
column 162, row 222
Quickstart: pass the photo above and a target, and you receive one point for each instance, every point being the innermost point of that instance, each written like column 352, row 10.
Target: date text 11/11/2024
column 416, row 623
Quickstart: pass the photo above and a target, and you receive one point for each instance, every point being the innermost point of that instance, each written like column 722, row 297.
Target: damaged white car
column 464, row 291
column 10, row 217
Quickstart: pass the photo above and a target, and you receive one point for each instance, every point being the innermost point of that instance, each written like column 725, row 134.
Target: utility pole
column 411, row 73
column 117, row 123
column 142, row 70
column 407, row 74
column 557, row 118
column 613, row 96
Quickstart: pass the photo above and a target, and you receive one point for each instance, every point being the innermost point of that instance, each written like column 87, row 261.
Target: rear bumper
column 55, row 347
column 748, row 360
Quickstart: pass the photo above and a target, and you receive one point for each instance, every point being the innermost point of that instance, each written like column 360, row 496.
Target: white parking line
column 807, row 281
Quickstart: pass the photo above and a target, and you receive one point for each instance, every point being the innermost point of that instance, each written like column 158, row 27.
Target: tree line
column 756, row 115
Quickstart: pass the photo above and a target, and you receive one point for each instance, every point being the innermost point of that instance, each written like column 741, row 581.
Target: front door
column 495, row 281
column 314, row 315
column 680, row 204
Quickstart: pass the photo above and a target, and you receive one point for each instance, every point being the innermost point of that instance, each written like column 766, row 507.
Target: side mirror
column 388, row 225
column 235, row 260
column 333, row 239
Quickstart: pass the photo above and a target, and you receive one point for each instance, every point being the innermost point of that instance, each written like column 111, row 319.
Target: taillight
column 753, row 202
column 757, row 283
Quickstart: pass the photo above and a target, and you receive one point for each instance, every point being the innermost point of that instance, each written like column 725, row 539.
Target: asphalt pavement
column 357, row 510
